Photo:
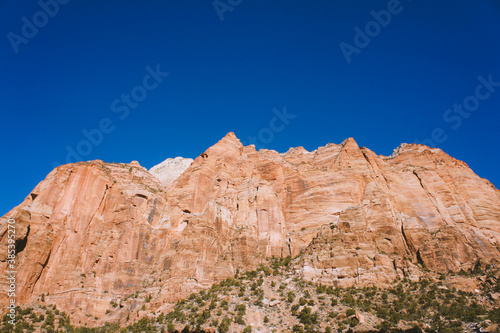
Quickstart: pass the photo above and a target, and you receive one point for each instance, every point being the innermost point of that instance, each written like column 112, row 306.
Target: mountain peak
column 170, row 169
column 231, row 135
column 233, row 138
column 229, row 140
column 350, row 143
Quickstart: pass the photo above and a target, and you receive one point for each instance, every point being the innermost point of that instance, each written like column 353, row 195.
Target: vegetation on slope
column 273, row 298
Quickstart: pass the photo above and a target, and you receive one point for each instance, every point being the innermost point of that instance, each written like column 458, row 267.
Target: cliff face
column 95, row 232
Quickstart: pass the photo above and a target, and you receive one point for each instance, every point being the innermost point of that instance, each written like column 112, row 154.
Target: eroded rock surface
column 92, row 233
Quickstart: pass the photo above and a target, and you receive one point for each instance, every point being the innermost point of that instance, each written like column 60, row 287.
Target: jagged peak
column 228, row 144
column 411, row 146
column 135, row 163
column 230, row 138
column 296, row 151
column 398, row 150
column 350, row 143
column 231, row 135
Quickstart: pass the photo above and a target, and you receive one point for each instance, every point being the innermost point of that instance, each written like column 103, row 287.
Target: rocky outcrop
column 95, row 233
column 170, row 169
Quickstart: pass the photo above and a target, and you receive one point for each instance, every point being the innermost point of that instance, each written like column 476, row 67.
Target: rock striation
column 94, row 233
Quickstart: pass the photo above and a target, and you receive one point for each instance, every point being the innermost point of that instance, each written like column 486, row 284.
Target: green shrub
column 350, row 312
column 353, row 322
column 224, row 325
column 348, row 300
column 306, row 317
column 494, row 315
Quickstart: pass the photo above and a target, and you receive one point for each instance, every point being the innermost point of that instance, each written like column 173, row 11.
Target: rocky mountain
column 94, row 234
column 170, row 169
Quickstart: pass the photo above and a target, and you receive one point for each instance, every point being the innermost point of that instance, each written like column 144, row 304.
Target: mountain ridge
column 97, row 232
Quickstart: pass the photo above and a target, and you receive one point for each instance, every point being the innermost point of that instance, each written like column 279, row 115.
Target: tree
column 224, row 325
column 306, row 317
column 348, row 300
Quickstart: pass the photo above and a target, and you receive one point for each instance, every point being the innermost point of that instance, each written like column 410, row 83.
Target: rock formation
column 93, row 233
column 170, row 169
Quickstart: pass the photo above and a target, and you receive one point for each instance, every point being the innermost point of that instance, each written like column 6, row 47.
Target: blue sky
column 99, row 67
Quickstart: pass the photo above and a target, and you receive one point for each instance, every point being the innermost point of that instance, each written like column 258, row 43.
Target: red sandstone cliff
column 95, row 232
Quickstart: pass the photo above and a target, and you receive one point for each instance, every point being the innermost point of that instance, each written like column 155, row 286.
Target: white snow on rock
column 170, row 169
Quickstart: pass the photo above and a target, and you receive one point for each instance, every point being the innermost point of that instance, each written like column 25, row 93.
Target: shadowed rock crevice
column 409, row 246
column 21, row 242
column 419, row 259
column 41, row 270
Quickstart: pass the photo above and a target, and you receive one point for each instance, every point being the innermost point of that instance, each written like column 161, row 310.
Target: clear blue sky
column 230, row 67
